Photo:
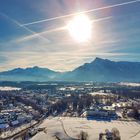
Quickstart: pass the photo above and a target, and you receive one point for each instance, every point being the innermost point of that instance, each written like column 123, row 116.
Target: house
column 102, row 112
column 14, row 123
column 3, row 126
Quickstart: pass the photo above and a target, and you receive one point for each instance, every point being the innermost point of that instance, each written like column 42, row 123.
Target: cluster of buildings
column 14, row 113
column 101, row 112
column 122, row 109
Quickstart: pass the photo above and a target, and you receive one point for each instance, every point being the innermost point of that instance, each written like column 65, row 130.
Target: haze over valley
column 99, row 70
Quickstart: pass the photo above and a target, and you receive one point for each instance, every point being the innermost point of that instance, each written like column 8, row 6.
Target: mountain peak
column 35, row 67
column 98, row 59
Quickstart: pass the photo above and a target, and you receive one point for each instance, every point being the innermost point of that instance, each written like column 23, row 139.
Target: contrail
column 29, row 37
column 88, row 11
column 55, row 30
column 101, row 19
column 24, row 27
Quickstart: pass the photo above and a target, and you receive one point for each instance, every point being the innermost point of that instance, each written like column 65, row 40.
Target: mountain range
column 99, row 70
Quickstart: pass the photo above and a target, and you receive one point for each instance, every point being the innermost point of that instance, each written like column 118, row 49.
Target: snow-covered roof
column 4, row 126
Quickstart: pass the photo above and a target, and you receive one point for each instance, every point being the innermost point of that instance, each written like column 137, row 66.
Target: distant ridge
column 99, row 70
column 28, row 74
column 104, row 70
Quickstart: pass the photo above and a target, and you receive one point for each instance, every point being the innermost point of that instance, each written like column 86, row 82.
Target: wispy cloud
column 24, row 27
column 52, row 47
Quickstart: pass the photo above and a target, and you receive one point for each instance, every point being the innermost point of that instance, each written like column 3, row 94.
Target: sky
column 32, row 34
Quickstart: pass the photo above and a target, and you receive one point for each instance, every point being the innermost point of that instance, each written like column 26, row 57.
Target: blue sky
column 44, row 44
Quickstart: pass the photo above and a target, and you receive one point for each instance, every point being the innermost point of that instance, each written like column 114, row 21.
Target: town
column 23, row 108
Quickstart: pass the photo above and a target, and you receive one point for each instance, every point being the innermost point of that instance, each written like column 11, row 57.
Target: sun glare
column 80, row 28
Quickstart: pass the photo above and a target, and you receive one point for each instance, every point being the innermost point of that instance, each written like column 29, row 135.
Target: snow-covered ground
column 98, row 93
column 9, row 88
column 67, row 128
column 130, row 84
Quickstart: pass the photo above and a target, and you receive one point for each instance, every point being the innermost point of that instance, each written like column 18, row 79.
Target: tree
column 136, row 113
column 83, row 135
column 116, row 134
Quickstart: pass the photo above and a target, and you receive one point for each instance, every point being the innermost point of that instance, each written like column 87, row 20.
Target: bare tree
column 108, row 135
column 83, row 135
column 101, row 136
column 116, row 134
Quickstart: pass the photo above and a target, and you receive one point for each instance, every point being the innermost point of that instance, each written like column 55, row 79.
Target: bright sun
column 80, row 28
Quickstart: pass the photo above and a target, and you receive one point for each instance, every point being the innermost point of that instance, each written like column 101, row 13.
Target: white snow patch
column 6, row 88
column 73, row 126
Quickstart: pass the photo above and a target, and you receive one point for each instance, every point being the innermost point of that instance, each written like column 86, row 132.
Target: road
column 22, row 133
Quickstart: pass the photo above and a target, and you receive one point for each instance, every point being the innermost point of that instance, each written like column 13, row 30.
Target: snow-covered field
column 99, row 93
column 67, row 128
column 130, row 84
column 9, row 88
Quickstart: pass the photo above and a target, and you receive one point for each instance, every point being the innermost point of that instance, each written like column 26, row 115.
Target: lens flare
column 80, row 28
